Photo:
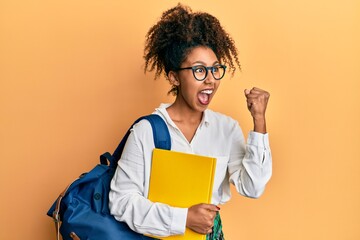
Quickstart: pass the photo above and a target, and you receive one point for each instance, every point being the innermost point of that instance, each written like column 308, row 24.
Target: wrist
column 259, row 124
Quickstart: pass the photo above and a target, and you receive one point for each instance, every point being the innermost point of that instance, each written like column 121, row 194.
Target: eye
column 217, row 68
column 199, row 69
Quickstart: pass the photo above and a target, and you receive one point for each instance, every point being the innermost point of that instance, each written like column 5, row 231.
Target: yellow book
column 181, row 180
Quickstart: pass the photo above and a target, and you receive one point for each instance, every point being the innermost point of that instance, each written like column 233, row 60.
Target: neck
column 180, row 112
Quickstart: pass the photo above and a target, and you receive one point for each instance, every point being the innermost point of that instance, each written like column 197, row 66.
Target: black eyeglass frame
column 212, row 69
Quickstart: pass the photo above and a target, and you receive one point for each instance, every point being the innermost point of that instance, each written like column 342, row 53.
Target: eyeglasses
column 200, row 72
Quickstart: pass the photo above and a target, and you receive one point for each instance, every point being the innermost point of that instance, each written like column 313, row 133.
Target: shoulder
column 144, row 128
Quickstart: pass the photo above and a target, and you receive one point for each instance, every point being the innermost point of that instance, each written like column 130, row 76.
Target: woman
column 193, row 51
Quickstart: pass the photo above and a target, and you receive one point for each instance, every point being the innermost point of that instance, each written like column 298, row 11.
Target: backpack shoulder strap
column 161, row 138
column 160, row 130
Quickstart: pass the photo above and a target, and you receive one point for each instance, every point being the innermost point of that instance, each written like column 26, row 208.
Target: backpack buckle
column 56, row 216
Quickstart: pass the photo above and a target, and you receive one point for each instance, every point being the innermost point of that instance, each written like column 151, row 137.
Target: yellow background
column 71, row 82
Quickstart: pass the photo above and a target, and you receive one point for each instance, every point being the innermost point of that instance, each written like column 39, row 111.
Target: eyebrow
column 202, row 63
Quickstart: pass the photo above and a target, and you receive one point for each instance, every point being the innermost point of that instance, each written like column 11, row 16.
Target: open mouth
column 204, row 96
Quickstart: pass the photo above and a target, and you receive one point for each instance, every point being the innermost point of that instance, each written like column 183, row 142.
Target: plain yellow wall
column 71, row 82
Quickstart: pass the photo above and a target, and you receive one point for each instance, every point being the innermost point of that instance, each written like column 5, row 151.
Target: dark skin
column 187, row 111
column 257, row 100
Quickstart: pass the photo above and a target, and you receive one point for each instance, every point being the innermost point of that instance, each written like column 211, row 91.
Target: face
column 193, row 94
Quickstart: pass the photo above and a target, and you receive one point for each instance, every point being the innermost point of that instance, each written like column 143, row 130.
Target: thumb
column 246, row 91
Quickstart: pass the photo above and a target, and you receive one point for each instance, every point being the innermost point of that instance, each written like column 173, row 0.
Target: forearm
column 128, row 192
column 251, row 170
column 127, row 204
column 260, row 124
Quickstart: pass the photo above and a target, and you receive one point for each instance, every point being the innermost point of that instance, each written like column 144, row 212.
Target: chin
column 201, row 107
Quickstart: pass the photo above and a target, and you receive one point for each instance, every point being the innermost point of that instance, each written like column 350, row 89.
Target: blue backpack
column 82, row 208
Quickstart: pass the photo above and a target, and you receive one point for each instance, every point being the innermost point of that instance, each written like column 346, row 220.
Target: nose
column 209, row 78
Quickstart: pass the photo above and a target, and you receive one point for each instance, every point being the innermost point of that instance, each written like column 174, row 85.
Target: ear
column 173, row 78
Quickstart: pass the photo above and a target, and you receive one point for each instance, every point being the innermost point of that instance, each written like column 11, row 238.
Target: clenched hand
column 257, row 100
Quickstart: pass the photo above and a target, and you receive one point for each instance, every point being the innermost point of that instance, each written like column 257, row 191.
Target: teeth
column 207, row 91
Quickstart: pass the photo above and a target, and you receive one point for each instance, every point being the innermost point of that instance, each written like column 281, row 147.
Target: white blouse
column 247, row 166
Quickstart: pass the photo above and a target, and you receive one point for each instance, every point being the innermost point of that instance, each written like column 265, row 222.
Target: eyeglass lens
column 200, row 72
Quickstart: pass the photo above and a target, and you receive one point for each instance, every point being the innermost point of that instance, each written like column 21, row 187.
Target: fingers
column 255, row 92
column 211, row 207
column 256, row 99
column 201, row 217
column 210, row 211
column 206, row 231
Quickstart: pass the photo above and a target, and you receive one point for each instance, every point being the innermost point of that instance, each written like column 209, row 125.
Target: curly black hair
column 177, row 32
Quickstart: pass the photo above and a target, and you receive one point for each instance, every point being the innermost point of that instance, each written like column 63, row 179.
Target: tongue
column 203, row 98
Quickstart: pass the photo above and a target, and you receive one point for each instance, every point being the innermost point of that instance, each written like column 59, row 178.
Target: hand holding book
column 201, row 217
column 194, row 191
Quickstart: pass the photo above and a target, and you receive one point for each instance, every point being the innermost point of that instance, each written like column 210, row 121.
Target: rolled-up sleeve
column 250, row 165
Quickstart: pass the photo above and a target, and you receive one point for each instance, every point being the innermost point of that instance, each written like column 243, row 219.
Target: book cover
column 181, row 180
